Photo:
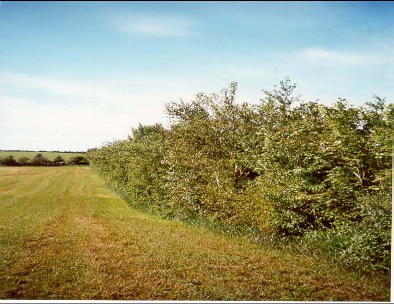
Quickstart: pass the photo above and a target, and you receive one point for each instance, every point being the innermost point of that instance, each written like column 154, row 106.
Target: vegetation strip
column 42, row 158
column 284, row 170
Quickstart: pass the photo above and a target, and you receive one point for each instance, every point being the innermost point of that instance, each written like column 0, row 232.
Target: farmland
column 48, row 154
column 64, row 235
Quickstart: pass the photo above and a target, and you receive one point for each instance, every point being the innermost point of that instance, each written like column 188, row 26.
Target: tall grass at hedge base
column 287, row 170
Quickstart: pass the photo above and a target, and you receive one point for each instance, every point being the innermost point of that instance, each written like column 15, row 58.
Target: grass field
column 30, row 154
column 65, row 236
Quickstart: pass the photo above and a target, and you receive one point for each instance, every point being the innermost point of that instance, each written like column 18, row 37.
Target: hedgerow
column 283, row 167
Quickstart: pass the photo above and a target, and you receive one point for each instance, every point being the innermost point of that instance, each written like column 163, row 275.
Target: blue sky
column 76, row 75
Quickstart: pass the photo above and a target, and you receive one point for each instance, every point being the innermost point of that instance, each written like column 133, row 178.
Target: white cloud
column 321, row 56
column 68, row 88
column 157, row 25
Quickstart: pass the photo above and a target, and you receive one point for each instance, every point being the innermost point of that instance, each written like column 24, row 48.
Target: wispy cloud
column 156, row 25
column 83, row 91
column 320, row 56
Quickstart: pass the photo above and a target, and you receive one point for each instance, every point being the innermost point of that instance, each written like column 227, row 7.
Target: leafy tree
column 79, row 160
column 40, row 160
column 144, row 131
column 9, row 161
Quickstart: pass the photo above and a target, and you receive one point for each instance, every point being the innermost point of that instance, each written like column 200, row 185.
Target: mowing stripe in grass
column 65, row 236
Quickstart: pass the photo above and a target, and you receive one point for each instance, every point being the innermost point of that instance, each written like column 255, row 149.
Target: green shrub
column 9, row 161
column 79, row 160
column 23, row 161
column 40, row 160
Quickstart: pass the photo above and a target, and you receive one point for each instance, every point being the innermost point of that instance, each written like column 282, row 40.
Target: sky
column 77, row 75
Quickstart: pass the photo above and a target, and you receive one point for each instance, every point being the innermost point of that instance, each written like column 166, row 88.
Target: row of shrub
column 283, row 168
column 40, row 160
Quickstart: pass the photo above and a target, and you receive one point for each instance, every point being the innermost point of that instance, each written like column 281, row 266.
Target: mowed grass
column 30, row 154
column 65, row 236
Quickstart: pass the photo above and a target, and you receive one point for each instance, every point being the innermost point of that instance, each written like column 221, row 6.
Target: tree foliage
column 40, row 160
column 23, row 161
column 9, row 161
column 58, row 159
column 79, row 160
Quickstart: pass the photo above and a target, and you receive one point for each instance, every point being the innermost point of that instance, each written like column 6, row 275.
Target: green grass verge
column 64, row 235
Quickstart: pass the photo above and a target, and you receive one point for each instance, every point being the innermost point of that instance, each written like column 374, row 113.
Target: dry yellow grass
column 65, row 236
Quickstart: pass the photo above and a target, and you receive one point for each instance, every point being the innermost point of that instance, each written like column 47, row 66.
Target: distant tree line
column 283, row 168
column 73, row 152
column 40, row 160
